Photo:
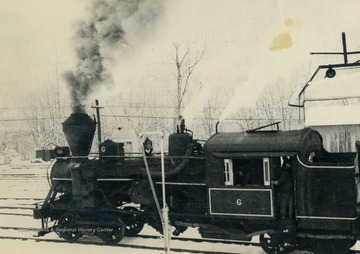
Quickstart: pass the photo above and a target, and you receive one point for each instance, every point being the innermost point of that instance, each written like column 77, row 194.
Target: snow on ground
column 13, row 246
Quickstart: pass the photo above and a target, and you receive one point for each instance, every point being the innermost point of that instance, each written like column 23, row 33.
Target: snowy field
column 23, row 184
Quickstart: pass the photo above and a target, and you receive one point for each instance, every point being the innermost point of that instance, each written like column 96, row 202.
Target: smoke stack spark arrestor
column 79, row 130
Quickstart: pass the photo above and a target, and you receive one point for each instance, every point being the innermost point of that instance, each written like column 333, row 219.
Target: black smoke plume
column 100, row 38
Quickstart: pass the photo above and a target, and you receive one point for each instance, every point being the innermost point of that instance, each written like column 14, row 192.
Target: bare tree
column 270, row 107
column 208, row 118
column 185, row 66
column 138, row 113
column 274, row 105
column 45, row 115
column 249, row 118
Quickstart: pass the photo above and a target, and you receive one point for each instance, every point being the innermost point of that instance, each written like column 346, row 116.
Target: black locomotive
column 231, row 187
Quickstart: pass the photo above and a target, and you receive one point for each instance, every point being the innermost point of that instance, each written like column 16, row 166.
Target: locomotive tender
column 228, row 188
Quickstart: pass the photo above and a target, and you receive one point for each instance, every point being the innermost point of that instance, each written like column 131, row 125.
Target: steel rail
column 133, row 246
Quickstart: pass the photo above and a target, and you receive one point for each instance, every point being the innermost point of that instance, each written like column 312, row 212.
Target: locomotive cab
column 243, row 167
column 244, row 172
column 245, row 188
column 245, row 184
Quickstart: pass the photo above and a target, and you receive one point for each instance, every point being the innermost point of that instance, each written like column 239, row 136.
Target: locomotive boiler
column 228, row 188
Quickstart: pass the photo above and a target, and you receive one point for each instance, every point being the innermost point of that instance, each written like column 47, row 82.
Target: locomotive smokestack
column 79, row 130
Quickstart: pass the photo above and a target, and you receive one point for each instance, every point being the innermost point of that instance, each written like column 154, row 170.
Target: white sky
column 35, row 43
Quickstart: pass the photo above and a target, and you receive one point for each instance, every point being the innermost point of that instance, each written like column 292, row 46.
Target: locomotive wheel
column 273, row 244
column 68, row 227
column 113, row 230
column 133, row 224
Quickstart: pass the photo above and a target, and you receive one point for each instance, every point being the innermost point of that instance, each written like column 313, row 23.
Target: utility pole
column 97, row 107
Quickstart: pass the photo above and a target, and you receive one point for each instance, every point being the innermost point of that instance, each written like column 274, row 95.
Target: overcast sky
column 249, row 42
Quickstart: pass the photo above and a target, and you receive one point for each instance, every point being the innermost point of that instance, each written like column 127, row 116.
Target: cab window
column 247, row 172
column 228, row 172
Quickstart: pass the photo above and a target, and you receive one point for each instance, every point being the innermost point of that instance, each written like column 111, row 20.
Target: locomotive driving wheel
column 273, row 244
column 113, row 229
column 67, row 227
column 133, row 223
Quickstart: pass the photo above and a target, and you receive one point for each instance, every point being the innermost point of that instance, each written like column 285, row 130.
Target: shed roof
column 340, row 87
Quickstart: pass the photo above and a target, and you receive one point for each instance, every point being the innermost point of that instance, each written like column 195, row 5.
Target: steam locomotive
column 228, row 188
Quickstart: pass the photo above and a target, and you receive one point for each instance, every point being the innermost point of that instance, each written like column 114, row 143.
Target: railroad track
column 17, row 214
column 19, row 203
column 27, row 207
column 35, row 199
column 198, row 240
column 133, row 246
column 123, row 245
column 16, row 208
column 137, row 246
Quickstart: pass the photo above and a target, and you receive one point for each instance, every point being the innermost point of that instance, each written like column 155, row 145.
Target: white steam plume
column 273, row 61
